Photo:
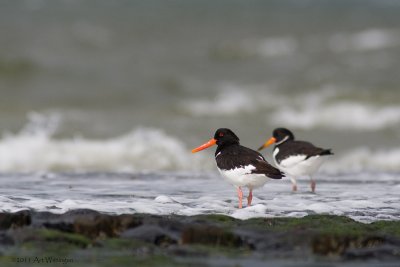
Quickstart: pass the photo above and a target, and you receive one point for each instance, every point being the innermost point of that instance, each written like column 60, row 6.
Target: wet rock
column 92, row 224
column 338, row 244
column 153, row 234
column 187, row 251
column 17, row 219
column 382, row 252
column 155, row 237
column 45, row 237
column 96, row 226
column 264, row 241
column 6, row 239
column 210, row 235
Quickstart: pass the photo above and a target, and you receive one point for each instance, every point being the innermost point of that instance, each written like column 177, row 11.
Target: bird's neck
column 224, row 146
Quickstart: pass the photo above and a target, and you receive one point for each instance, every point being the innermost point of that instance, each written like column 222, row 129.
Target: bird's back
column 294, row 148
column 237, row 156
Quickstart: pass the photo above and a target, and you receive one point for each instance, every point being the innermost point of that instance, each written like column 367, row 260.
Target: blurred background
column 134, row 85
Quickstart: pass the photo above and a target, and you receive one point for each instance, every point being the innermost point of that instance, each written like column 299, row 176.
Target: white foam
column 229, row 100
column 365, row 159
column 232, row 99
column 362, row 200
column 371, row 39
column 164, row 199
column 323, row 108
column 35, row 149
column 339, row 115
column 271, row 46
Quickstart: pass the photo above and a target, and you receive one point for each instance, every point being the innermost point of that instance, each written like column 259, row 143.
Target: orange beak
column 204, row 146
column 270, row 141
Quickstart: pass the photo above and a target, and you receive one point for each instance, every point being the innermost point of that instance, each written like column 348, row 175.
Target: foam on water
column 229, row 100
column 365, row 159
column 323, row 108
column 340, row 115
column 271, row 46
column 364, row 199
column 370, row 39
column 35, row 149
column 232, row 99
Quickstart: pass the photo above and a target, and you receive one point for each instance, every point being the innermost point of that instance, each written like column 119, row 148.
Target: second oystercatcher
column 296, row 158
column 239, row 165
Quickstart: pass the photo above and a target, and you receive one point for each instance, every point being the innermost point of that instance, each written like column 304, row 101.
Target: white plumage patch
column 298, row 165
column 242, row 176
column 292, row 161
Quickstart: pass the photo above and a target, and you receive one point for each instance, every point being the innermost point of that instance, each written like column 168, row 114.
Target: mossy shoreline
column 89, row 238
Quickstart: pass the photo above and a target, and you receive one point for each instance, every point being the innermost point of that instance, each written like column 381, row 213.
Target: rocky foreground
column 89, row 238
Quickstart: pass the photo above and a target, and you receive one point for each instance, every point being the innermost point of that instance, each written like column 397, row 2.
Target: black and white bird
column 296, row 158
column 239, row 165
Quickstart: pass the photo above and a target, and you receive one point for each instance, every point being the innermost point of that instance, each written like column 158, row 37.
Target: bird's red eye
column 221, row 134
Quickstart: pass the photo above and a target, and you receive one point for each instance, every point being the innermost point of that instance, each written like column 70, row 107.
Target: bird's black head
column 222, row 137
column 279, row 136
column 282, row 135
column 225, row 136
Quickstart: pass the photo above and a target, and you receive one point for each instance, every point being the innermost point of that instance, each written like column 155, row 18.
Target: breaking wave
column 34, row 148
column 365, row 159
column 339, row 115
column 370, row 39
column 323, row 108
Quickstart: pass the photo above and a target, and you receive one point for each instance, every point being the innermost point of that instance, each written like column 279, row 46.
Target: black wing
column 288, row 149
column 239, row 156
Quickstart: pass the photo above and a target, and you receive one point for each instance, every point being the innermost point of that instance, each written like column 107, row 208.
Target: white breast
column 243, row 177
column 298, row 165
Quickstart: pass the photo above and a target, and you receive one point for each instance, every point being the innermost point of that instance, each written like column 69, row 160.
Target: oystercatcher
column 239, row 165
column 296, row 158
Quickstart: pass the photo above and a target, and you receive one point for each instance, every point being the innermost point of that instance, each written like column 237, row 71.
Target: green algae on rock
column 89, row 237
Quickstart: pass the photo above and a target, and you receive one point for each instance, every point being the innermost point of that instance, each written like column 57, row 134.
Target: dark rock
column 6, row 239
column 381, row 252
column 187, row 251
column 127, row 221
column 264, row 241
column 203, row 236
column 210, row 235
column 17, row 219
column 92, row 224
column 328, row 244
column 102, row 225
column 61, row 226
column 95, row 226
column 153, row 234
column 45, row 236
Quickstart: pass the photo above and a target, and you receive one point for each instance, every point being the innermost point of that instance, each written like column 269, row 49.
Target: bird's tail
column 277, row 174
column 326, row 152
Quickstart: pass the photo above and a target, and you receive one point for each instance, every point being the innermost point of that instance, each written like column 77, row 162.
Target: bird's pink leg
column 312, row 185
column 240, row 196
column 250, row 197
column 294, row 184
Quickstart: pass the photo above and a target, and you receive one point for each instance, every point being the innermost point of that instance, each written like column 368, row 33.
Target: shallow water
column 365, row 197
column 84, row 86
column 117, row 102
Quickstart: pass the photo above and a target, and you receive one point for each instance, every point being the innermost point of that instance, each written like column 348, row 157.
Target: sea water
column 101, row 103
column 365, row 197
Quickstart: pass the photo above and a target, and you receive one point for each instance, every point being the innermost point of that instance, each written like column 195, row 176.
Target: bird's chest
column 228, row 160
column 275, row 155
